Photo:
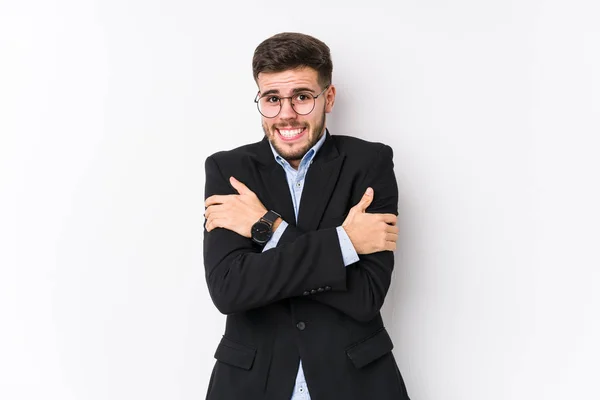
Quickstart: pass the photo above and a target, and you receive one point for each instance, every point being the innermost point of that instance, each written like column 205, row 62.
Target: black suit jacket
column 298, row 300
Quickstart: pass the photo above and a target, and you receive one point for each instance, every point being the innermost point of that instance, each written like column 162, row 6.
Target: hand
column 236, row 212
column 370, row 233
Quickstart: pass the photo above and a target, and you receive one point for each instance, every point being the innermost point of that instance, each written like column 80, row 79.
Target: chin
column 293, row 155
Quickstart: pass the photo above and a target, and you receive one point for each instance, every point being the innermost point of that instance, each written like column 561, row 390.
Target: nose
column 287, row 111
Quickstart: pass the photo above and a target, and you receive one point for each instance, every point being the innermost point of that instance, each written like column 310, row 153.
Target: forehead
column 287, row 80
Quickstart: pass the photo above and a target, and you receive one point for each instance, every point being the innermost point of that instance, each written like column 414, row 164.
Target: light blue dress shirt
column 296, row 179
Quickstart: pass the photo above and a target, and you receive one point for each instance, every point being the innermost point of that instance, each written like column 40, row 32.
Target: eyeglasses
column 302, row 103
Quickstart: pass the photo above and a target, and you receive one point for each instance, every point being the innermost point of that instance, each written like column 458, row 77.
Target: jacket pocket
column 370, row 349
column 235, row 354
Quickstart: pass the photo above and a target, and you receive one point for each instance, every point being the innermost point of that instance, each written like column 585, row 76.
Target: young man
column 298, row 244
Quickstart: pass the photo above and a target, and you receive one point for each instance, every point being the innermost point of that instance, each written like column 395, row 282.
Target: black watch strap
column 270, row 217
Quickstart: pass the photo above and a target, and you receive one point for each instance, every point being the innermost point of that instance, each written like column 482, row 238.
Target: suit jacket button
column 306, row 293
column 301, row 325
column 320, row 290
column 313, row 291
column 327, row 287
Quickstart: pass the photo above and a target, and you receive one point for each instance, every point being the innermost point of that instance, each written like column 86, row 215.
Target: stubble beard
column 296, row 155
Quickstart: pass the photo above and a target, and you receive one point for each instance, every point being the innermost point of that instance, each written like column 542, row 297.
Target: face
column 291, row 134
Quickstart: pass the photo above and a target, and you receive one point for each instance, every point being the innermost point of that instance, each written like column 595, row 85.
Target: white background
column 108, row 110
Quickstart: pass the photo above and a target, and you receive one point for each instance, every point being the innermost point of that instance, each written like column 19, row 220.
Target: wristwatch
column 262, row 230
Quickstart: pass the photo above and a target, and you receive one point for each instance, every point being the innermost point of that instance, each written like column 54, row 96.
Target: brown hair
column 290, row 50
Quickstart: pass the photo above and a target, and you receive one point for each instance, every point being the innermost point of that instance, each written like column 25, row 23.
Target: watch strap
column 270, row 217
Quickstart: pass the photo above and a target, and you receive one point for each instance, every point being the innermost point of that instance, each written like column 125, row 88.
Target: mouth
column 289, row 135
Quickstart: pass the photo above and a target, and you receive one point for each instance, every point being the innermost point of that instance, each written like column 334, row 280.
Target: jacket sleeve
column 240, row 277
column 368, row 280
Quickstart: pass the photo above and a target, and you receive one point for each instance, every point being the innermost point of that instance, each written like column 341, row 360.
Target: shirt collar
column 310, row 154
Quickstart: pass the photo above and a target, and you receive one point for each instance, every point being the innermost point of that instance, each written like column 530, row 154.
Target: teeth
column 290, row 132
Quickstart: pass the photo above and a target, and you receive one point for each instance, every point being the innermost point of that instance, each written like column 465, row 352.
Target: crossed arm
column 241, row 277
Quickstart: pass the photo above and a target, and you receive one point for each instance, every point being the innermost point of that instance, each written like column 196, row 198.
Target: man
column 298, row 246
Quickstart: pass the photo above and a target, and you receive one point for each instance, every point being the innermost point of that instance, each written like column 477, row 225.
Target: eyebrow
column 294, row 91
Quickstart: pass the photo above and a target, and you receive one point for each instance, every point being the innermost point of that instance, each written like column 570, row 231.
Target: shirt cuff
column 348, row 252
column 276, row 236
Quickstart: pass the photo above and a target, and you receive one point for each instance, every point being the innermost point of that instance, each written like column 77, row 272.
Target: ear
column 329, row 98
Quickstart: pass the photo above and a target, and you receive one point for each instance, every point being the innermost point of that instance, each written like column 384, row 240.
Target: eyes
column 296, row 99
column 303, row 102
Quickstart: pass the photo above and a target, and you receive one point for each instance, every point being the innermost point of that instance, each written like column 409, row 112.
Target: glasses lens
column 303, row 103
column 269, row 106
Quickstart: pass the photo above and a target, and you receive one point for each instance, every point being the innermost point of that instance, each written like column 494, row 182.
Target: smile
column 291, row 134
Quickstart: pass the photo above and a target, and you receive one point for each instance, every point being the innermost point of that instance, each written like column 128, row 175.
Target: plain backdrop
column 109, row 108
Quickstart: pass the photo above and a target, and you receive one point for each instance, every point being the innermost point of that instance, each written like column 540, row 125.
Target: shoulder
column 236, row 155
column 360, row 148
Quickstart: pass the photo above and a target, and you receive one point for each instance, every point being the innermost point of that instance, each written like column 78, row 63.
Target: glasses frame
column 258, row 97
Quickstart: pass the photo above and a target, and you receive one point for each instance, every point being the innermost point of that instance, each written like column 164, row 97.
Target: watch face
column 261, row 232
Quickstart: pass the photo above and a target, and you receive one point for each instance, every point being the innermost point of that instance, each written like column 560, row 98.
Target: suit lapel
column 274, row 184
column 319, row 184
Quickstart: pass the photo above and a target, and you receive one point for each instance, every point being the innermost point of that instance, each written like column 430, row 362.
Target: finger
column 239, row 186
column 214, row 223
column 388, row 218
column 209, row 225
column 220, row 206
column 218, row 199
column 390, row 246
column 391, row 229
column 209, row 201
column 365, row 201
column 391, row 237
column 214, row 211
